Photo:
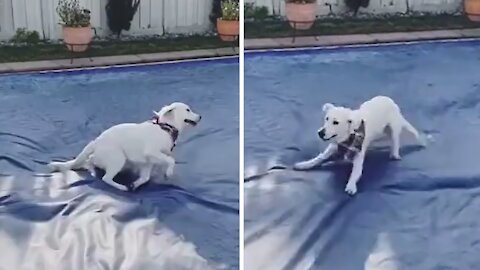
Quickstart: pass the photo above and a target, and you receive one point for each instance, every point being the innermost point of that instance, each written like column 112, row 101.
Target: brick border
column 108, row 61
column 335, row 40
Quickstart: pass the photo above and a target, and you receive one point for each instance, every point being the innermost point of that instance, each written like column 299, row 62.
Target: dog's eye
column 188, row 110
column 326, row 119
column 335, row 122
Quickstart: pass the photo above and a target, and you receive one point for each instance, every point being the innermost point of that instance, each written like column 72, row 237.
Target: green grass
column 277, row 28
column 109, row 48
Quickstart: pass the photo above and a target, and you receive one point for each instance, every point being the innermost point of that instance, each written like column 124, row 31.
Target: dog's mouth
column 190, row 122
column 331, row 137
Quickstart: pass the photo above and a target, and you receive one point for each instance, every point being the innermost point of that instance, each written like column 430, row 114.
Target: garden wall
column 154, row 17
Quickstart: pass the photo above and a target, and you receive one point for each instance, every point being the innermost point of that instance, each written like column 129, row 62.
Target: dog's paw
column 169, row 173
column 56, row 167
column 395, row 157
column 301, row 166
column 123, row 188
column 425, row 139
column 131, row 187
column 351, row 189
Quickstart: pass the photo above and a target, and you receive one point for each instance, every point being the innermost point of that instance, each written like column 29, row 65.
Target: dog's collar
column 353, row 144
column 171, row 130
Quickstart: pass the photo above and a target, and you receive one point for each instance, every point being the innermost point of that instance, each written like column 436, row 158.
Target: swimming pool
column 418, row 213
column 50, row 222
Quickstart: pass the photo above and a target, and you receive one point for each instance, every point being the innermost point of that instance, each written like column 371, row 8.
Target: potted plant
column 301, row 13
column 472, row 9
column 77, row 32
column 228, row 24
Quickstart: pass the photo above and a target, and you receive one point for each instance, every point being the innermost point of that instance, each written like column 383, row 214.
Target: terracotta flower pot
column 228, row 30
column 472, row 9
column 301, row 16
column 77, row 39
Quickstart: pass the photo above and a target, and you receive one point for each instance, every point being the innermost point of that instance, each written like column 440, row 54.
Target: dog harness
column 353, row 145
column 171, row 130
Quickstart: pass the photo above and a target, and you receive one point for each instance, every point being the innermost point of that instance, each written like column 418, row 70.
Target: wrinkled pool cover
column 420, row 213
column 76, row 222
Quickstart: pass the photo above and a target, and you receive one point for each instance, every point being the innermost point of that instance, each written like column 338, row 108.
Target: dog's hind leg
column 422, row 139
column 410, row 128
column 144, row 176
column 395, row 131
column 115, row 163
column 90, row 167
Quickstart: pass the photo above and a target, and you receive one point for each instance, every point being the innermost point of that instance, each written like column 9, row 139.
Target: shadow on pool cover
column 73, row 221
column 418, row 213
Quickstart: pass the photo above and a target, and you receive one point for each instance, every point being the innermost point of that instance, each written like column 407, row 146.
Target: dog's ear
column 164, row 112
column 327, row 107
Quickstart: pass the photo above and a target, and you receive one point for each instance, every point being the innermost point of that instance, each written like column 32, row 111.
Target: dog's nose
column 321, row 133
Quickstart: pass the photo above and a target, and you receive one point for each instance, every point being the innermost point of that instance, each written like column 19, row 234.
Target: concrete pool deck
column 333, row 40
column 102, row 61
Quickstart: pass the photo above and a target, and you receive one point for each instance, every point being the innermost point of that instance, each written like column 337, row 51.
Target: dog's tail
column 74, row 163
column 422, row 139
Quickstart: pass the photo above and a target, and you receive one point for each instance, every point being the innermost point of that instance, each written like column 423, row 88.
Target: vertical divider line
column 241, row 137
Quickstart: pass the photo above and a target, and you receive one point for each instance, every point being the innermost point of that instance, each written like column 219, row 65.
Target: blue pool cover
column 420, row 213
column 76, row 222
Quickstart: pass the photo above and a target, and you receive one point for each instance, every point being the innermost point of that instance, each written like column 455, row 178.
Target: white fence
column 325, row 7
column 154, row 17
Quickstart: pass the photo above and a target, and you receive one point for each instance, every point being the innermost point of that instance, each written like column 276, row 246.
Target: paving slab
column 346, row 39
column 227, row 51
column 299, row 42
column 193, row 54
column 33, row 66
column 394, row 37
column 169, row 56
column 4, row 68
column 470, row 32
column 155, row 57
column 116, row 60
column 260, row 43
column 438, row 34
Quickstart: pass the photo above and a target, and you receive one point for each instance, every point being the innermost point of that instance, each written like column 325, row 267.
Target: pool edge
column 253, row 52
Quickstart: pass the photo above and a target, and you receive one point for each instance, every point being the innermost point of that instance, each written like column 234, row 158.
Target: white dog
column 352, row 132
column 139, row 146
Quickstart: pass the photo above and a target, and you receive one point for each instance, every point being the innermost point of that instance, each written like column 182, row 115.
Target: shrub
column 254, row 12
column 22, row 35
column 120, row 14
column 230, row 10
column 72, row 15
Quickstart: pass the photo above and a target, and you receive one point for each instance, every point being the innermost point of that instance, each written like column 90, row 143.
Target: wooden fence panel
column 153, row 17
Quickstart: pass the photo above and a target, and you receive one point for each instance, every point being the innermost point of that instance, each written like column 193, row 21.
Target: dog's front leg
column 160, row 158
column 305, row 165
column 357, row 169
